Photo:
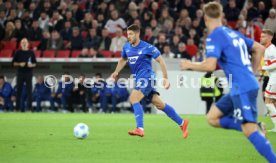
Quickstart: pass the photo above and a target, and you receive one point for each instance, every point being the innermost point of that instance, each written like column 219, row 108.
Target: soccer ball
column 81, row 131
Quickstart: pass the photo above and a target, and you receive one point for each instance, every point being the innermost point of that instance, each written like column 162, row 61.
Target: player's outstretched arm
column 208, row 65
column 121, row 64
column 163, row 67
column 258, row 52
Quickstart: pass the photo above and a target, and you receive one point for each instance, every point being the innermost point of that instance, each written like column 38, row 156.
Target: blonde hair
column 213, row 10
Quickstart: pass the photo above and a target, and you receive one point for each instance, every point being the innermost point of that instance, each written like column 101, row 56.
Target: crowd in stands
column 97, row 28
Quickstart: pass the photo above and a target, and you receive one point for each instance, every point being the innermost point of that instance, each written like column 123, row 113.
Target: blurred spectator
column 118, row 42
column 43, row 21
column 44, row 41
column 162, row 40
column 178, row 31
column 42, row 93
column 34, row 13
column 35, row 32
column 86, row 23
column 253, row 31
column 262, row 11
column 23, row 99
column 76, row 40
column 2, row 18
column 62, row 8
column 77, row 12
column 69, row 17
column 196, row 25
column 93, row 40
column 12, row 15
column 181, row 52
column 115, row 22
column 20, row 9
column 47, row 8
column 154, row 9
column 191, row 47
column 19, row 31
column 146, row 19
column 55, row 42
column 167, row 52
column 165, row 16
column 252, row 11
column 101, row 20
column 26, row 20
column 193, row 35
column 148, row 37
column 182, row 16
column 84, row 53
column 168, row 28
column 64, row 93
column 270, row 22
column 105, row 41
column 155, row 28
column 5, row 95
column 175, row 43
column 80, row 93
column 9, row 31
column 2, row 33
column 232, row 11
column 93, row 53
column 131, row 16
column 188, row 4
column 56, row 21
column 66, row 33
column 98, row 93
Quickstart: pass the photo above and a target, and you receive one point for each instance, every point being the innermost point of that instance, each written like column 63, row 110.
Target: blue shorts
column 242, row 107
column 147, row 87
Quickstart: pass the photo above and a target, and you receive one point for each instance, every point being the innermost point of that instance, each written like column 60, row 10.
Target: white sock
column 272, row 112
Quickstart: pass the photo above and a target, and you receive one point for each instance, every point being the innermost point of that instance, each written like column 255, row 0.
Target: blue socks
column 228, row 122
column 139, row 115
column 173, row 115
column 262, row 146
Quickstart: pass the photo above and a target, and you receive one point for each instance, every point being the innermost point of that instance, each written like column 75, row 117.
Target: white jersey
column 270, row 62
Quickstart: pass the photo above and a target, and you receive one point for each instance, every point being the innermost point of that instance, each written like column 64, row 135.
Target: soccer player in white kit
column 270, row 67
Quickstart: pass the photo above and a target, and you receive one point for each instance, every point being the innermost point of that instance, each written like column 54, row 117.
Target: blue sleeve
column 248, row 41
column 124, row 53
column 153, row 51
column 213, row 46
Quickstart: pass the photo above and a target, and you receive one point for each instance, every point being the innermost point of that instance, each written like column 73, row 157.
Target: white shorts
column 270, row 90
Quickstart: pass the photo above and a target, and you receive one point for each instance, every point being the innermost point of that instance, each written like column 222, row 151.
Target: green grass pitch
column 48, row 138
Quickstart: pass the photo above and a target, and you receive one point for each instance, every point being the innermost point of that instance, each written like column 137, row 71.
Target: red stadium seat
column 117, row 54
column 34, row 44
column 75, row 53
column 9, row 45
column 49, row 54
column 37, row 53
column 106, row 53
column 63, row 54
column 6, row 53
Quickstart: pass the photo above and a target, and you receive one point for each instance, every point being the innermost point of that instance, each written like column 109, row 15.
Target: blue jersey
column 6, row 90
column 139, row 58
column 231, row 49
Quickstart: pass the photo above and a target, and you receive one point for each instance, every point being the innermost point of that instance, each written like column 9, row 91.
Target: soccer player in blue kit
column 139, row 56
column 229, row 49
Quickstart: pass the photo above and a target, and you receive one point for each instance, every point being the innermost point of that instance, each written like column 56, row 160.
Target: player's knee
column 212, row 120
column 249, row 128
column 133, row 99
column 159, row 105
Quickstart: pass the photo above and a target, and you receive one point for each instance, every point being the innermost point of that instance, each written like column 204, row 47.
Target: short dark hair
column 268, row 31
column 135, row 28
column 2, row 77
column 99, row 74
